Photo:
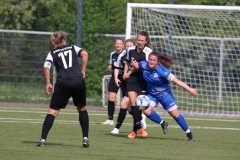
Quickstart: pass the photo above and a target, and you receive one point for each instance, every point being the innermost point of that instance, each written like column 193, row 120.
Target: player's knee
column 80, row 109
column 174, row 113
column 124, row 104
column 111, row 96
column 53, row 112
column 147, row 112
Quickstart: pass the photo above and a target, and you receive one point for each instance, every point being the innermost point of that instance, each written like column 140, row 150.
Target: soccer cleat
column 115, row 131
column 132, row 135
column 85, row 143
column 108, row 122
column 190, row 136
column 143, row 122
column 143, row 133
column 41, row 143
column 164, row 127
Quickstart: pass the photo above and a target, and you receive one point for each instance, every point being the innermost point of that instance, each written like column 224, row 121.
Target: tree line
column 98, row 17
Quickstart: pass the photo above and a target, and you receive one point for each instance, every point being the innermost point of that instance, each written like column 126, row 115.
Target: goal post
column 204, row 42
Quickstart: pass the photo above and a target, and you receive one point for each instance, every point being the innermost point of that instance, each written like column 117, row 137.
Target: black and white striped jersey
column 113, row 58
column 120, row 63
column 65, row 59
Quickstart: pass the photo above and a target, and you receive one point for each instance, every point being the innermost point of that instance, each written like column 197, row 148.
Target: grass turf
column 216, row 138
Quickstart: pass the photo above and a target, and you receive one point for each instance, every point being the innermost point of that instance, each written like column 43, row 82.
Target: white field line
column 44, row 109
column 99, row 113
column 45, row 112
column 19, row 120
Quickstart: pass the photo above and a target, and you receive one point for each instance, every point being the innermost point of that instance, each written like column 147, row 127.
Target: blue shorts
column 166, row 102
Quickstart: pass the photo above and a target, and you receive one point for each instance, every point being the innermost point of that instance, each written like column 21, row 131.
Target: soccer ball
column 142, row 102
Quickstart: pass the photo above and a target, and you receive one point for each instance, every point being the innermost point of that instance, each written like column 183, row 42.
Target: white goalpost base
column 105, row 82
column 204, row 42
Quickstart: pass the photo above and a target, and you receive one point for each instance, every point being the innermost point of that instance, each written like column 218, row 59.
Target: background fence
column 22, row 54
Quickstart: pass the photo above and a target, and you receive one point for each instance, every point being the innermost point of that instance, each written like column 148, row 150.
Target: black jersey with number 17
column 65, row 59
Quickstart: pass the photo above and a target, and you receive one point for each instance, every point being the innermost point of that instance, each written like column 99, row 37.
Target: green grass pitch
column 217, row 138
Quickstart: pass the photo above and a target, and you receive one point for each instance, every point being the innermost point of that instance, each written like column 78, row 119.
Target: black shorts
column 136, row 85
column 63, row 91
column 123, row 86
column 112, row 87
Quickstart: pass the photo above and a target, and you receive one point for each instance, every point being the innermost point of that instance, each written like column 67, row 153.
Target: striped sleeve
column 48, row 61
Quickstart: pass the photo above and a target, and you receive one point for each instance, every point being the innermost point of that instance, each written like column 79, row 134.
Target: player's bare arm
column 184, row 86
column 126, row 73
column 84, row 56
column 117, row 81
column 49, row 87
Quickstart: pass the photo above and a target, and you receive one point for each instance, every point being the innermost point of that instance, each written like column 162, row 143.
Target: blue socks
column 182, row 122
column 154, row 117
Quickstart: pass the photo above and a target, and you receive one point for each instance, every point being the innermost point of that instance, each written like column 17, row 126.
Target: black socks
column 47, row 125
column 111, row 109
column 121, row 117
column 84, row 122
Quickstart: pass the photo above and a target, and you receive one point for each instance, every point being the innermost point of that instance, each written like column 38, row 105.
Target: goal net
column 204, row 42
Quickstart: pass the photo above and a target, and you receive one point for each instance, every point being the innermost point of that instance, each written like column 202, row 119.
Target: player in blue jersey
column 112, row 87
column 70, row 83
column 157, row 76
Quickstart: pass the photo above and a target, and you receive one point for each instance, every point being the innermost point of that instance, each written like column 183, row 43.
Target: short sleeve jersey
column 113, row 58
column 141, row 56
column 120, row 63
column 66, row 62
column 157, row 79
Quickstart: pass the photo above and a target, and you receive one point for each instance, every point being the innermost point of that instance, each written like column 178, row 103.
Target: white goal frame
column 105, row 82
column 219, row 100
column 172, row 6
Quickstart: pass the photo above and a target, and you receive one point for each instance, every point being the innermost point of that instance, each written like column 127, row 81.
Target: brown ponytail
column 163, row 59
column 56, row 40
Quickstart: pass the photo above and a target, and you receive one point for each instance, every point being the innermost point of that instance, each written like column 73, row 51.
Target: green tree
column 17, row 14
column 98, row 18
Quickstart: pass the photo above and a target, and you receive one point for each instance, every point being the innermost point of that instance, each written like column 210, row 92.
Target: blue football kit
column 158, row 86
column 159, row 90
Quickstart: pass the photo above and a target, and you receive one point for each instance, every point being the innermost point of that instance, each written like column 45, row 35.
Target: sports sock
column 182, row 122
column 135, row 129
column 130, row 113
column 47, row 125
column 154, row 117
column 84, row 122
column 136, row 117
column 140, row 115
column 121, row 116
column 111, row 109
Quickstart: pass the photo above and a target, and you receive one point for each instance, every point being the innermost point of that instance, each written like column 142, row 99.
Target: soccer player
column 125, row 101
column 112, row 87
column 125, row 104
column 134, row 80
column 70, row 83
column 157, row 76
